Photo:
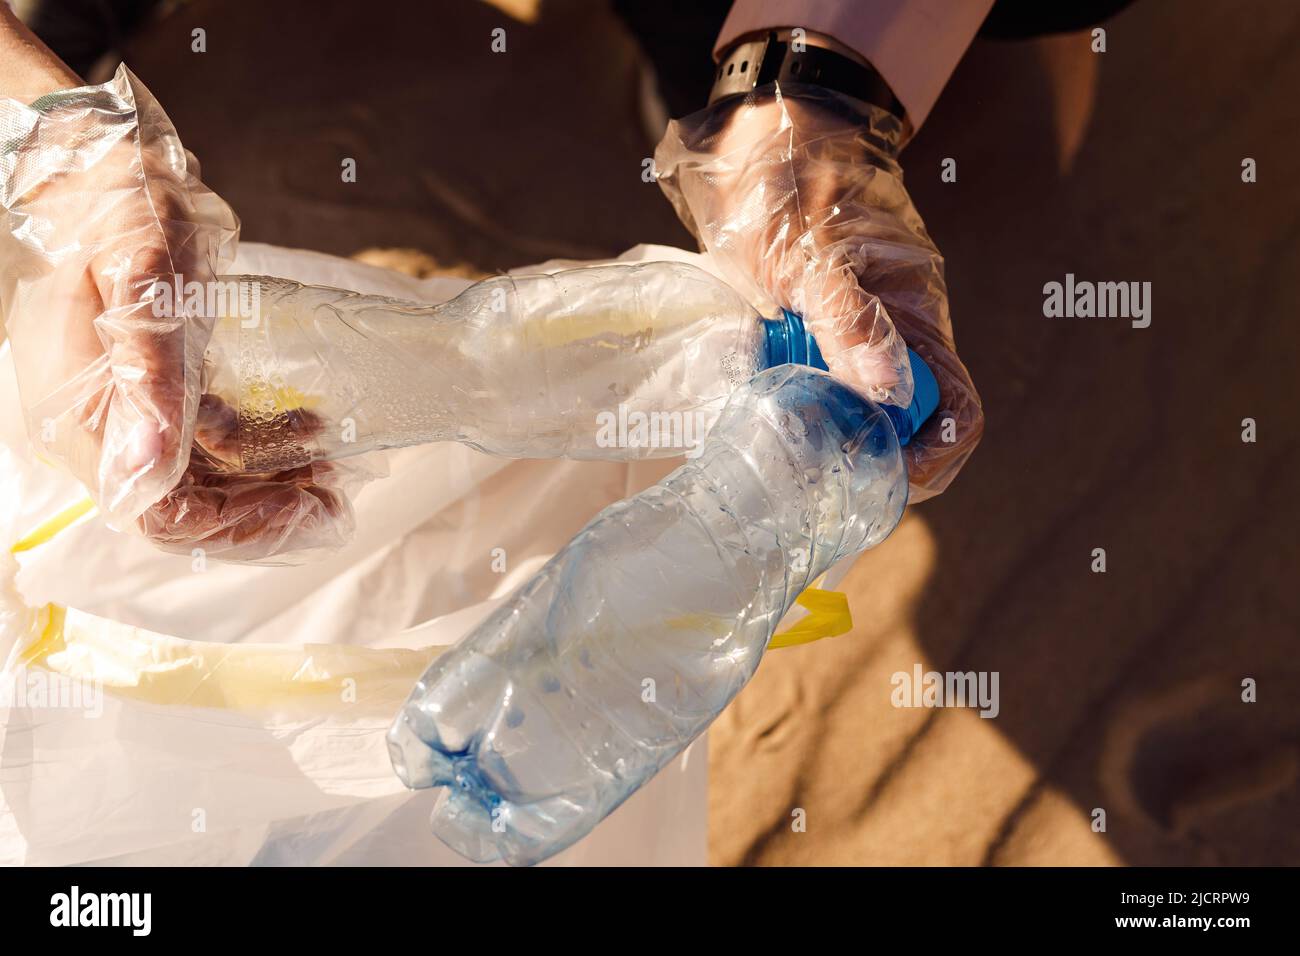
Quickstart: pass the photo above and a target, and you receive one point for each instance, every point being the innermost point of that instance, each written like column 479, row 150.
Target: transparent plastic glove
column 797, row 194
column 272, row 518
column 101, row 204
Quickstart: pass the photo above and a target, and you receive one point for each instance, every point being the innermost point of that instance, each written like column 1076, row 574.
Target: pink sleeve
column 913, row 44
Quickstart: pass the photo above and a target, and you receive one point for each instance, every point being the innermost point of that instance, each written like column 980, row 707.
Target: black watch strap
column 758, row 62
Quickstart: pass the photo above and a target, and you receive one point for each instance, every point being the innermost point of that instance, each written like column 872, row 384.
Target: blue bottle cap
column 789, row 342
column 925, row 399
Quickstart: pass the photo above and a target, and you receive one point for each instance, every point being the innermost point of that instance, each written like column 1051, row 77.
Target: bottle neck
column 787, row 341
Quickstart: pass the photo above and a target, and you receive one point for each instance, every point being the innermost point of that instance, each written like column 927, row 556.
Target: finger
column 946, row 441
column 251, row 517
column 857, row 337
column 285, row 440
column 216, row 431
column 155, row 348
column 150, row 256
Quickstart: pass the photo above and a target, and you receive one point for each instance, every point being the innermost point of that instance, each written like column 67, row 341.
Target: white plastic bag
column 234, row 714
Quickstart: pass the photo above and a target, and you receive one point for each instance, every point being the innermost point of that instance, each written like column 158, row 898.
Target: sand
column 1119, row 691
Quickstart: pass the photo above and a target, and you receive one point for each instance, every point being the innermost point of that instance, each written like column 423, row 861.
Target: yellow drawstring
column 828, row 616
column 54, row 614
column 828, row 611
column 50, row 527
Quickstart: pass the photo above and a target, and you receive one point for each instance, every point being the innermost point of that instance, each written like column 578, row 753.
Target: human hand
column 102, row 208
column 101, row 205
column 798, row 197
column 260, row 518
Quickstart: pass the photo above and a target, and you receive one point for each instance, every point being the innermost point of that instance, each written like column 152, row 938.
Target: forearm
column 28, row 68
column 913, row 44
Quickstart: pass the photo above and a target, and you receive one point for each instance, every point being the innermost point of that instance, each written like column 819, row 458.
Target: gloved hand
column 101, row 204
column 252, row 517
column 797, row 195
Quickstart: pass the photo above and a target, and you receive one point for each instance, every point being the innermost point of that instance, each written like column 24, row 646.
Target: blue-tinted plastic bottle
column 625, row 646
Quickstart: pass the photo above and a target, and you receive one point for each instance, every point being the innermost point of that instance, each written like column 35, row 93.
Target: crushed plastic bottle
column 608, row 362
column 625, row 646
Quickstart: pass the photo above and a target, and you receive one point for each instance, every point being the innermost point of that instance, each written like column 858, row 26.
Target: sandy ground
column 1119, row 691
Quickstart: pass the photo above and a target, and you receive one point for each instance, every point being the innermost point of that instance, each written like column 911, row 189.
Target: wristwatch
column 785, row 60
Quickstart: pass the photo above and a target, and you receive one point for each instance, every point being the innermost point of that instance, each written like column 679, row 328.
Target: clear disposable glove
column 257, row 518
column 797, row 194
column 101, row 204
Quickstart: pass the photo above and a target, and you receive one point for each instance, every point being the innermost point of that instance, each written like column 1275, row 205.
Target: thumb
column 155, row 351
column 855, row 332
